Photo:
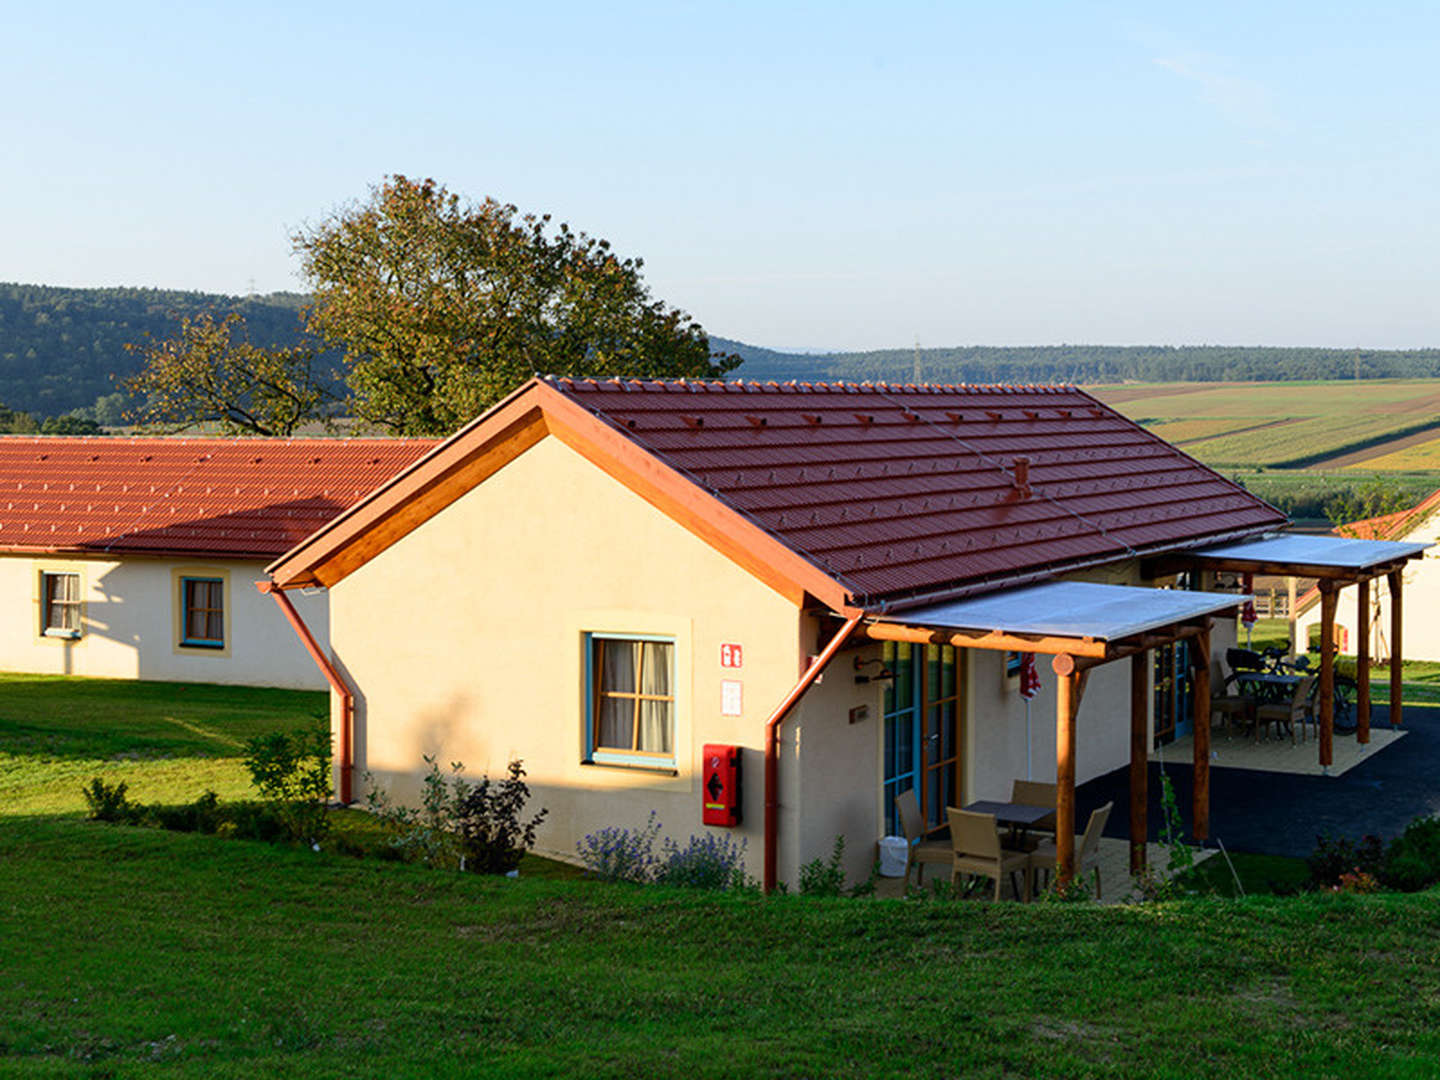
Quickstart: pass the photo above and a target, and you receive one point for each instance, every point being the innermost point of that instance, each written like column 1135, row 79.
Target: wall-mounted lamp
column 883, row 673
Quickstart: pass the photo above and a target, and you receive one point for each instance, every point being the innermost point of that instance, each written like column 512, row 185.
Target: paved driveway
column 1281, row 814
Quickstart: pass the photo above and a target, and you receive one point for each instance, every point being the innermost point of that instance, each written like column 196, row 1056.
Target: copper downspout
column 772, row 747
column 347, row 698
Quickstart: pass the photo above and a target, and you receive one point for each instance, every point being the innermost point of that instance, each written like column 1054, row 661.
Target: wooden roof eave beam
column 997, row 640
column 1174, row 564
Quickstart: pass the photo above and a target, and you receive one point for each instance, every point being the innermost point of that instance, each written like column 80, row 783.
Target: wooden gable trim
column 489, row 443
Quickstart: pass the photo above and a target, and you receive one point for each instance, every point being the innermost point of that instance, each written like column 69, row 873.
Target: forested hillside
column 61, row 349
column 1087, row 364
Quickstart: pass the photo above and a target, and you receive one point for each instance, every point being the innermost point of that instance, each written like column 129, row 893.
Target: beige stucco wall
column 130, row 624
column 465, row 641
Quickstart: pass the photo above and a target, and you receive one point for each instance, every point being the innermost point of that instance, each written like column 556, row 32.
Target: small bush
column 491, row 836
column 458, row 824
column 825, row 877
column 1337, row 855
column 1413, row 860
column 109, row 802
column 292, row 773
column 713, row 861
column 613, row 854
column 204, row 815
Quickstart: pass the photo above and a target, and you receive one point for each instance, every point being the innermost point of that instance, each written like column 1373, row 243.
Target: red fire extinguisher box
column 720, row 785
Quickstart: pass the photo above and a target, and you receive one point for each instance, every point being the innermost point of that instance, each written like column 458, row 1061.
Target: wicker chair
column 977, row 851
column 1087, row 849
column 920, row 851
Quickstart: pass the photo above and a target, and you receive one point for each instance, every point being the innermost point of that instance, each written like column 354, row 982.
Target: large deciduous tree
column 210, row 373
column 442, row 307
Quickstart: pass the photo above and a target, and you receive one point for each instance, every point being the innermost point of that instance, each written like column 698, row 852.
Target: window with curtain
column 203, row 602
column 632, row 700
column 62, row 604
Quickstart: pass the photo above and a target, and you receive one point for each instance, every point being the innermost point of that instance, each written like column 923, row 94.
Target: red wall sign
column 731, row 655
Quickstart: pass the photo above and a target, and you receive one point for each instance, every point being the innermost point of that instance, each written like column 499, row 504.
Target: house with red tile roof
column 1421, row 628
column 785, row 610
column 137, row 557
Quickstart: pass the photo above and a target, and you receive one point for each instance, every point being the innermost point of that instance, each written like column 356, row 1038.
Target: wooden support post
column 1327, row 672
column 1295, row 649
column 1396, row 655
column 1067, row 703
column 1200, row 741
column 1362, row 662
column 1139, row 758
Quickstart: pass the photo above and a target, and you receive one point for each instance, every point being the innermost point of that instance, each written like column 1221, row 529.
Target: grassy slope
column 131, row 952
column 124, row 947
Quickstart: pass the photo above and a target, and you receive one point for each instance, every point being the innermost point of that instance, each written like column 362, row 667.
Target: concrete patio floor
column 1280, row 754
column 1281, row 813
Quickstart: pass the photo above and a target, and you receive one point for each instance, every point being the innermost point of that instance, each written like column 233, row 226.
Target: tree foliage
column 442, row 307
column 211, row 373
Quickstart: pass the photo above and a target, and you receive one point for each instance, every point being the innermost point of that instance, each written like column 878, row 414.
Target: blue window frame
column 630, row 700
column 202, row 612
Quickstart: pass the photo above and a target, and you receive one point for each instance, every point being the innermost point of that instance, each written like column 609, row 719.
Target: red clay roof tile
column 185, row 496
column 896, row 491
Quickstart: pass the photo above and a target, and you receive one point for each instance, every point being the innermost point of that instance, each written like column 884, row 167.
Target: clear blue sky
column 794, row 175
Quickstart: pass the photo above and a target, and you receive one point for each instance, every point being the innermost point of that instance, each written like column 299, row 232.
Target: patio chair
column 1087, row 849
column 1232, row 707
column 977, row 851
column 1296, row 710
column 1035, row 793
column 920, row 851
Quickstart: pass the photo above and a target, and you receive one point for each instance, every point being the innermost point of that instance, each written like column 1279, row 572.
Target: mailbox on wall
column 720, row 785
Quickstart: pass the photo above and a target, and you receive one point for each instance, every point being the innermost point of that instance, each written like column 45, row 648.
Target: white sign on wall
column 731, row 695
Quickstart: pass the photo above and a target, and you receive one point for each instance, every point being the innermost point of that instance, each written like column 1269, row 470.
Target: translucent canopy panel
column 1075, row 609
column 1298, row 549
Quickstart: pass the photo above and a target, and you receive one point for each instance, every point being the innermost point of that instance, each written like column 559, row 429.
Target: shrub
column 292, row 773
column 474, row 827
column 1413, row 861
column 491, row 837
column 713, row 861
column 204, row 815
column 825, row 877
column 613, row 854
column 1337, row 855
column 109, row 802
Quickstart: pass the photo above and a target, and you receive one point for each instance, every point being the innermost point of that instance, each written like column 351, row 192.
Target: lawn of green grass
column 137, row 952
column 169, row 741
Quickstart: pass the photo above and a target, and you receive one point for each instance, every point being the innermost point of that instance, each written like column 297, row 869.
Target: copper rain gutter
column 772, row 747
column 347, row 698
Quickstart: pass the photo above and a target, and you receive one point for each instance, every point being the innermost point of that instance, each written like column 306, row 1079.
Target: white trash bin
column 893, row 852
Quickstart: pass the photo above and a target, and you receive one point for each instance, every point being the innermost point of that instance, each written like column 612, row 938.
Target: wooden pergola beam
column 1362, row 663
column 984, row 639
column 1327, row 673
column 1178, row 563
column 1200, row 739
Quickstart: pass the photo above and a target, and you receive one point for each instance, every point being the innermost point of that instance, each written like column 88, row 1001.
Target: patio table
column 1019, row 816
column 1268, row 687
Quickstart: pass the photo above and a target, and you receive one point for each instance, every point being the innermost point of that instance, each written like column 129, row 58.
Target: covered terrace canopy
column 1335, row 561
column 1085, row 624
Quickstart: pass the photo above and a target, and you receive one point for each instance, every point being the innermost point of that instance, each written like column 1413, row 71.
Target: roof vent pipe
column 1021, row 469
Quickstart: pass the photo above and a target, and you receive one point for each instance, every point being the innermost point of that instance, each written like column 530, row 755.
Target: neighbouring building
column 138, row 557
column 1420, row 628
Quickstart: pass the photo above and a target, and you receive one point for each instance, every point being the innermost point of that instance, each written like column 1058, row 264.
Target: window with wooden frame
column 60, row 595
column 202, row 608
column 630, row 707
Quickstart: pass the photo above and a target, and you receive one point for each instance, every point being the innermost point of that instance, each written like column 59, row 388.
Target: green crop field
column 1421, row 456
column 1290, row 424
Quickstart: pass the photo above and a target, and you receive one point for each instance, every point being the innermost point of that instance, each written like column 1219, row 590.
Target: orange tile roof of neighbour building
column 1391, row 526
column 236, row 497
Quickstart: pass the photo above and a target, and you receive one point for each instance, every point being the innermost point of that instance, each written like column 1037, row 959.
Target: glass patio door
column 921, row 726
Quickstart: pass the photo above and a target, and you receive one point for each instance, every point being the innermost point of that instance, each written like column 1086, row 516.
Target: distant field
column 1292, row 424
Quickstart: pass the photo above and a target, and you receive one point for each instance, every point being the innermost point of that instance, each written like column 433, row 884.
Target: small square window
column 631, row 706
column 203, row 612
column 61, row 616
